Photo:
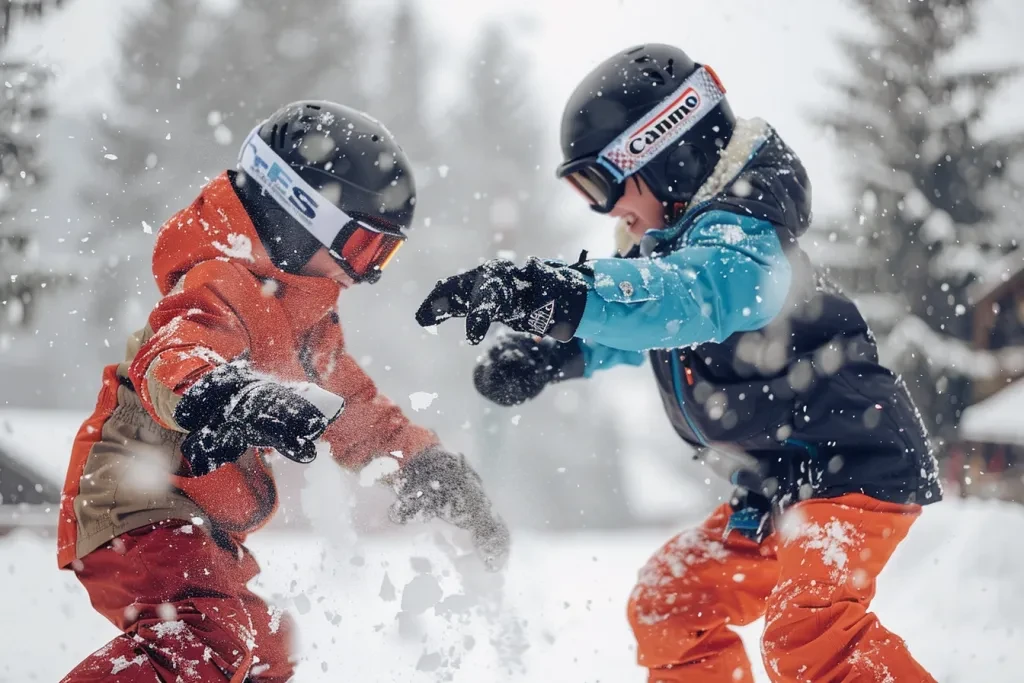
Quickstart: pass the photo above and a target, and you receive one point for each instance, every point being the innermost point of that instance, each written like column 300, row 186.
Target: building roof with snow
column 997, row 419
column 997, row 276
column 38, row 442
column 841, row 253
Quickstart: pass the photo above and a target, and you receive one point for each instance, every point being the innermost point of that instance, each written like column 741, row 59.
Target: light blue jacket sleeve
column 599, row 357
column 729, row 275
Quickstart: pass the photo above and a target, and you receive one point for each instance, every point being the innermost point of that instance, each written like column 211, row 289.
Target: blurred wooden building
column 987, row 460
column 13, row 10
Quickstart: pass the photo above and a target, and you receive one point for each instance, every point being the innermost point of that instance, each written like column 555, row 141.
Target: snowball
column 421, row 400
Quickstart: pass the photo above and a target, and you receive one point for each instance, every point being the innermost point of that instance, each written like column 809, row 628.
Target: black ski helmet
column 668, row 134
column 345, row 159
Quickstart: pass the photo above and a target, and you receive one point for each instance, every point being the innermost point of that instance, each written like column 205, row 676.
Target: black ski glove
column 443, row 485
column 519, row 366
column 542, row 297
column 231, row 409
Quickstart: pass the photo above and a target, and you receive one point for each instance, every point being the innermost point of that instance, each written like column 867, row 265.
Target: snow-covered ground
column 412, row 608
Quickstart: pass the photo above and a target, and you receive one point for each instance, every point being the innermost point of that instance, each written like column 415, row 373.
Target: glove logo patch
column 541, row 318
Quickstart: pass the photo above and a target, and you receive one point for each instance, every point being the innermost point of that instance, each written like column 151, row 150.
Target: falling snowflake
column 222, row 134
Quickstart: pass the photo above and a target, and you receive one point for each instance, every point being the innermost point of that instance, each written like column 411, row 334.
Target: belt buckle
column 750, row 522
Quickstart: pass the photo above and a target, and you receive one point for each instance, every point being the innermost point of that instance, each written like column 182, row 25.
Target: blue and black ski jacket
column 752, row 347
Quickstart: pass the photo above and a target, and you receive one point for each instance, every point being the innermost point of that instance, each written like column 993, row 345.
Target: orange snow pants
column 187, row 616
column 814, row 580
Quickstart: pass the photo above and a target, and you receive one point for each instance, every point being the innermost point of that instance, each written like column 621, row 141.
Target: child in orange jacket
column 244, row 353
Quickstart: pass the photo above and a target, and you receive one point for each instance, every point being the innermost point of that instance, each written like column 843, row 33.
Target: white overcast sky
column 775, row 57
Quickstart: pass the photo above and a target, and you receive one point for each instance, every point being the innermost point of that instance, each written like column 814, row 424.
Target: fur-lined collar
column 747, row 138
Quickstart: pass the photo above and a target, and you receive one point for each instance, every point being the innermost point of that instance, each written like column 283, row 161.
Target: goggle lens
column 601, row 191
column 367, row 250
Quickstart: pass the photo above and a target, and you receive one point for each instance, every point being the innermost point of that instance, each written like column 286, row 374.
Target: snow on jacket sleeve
column 192, row 330
column 599, row 357
column 729, row 275
column 371, row 425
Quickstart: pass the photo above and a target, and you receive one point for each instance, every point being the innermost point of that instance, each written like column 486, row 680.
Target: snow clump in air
column 421, row 400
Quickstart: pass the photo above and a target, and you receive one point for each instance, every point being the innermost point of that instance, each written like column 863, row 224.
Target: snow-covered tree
column 935, row 185
column 192, row 80
column 503, row 195
column 24, row 276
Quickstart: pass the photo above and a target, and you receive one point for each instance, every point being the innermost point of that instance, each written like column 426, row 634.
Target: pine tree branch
column 980, row 82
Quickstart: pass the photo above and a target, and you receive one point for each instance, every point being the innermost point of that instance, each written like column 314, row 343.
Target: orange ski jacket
column 223, row 299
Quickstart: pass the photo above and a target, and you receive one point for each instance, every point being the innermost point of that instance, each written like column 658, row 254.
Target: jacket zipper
column 677, row 381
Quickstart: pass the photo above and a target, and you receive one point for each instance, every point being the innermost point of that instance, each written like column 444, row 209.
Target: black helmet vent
column 654, row 75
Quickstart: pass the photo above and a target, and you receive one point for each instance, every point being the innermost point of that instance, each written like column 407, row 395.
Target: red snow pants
column 187, row 616
column 814, row 580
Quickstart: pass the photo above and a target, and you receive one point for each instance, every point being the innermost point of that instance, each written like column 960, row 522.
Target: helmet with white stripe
column 320, row 174
column 649, row 111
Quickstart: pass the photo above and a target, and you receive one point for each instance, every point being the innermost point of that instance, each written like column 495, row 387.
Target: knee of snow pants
column 818, row 627
column 181, row 600
column 689, row 592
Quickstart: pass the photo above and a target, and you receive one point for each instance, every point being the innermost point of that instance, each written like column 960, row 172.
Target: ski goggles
column 361, row 245
column 596, row 183
column 364, row 250
column 601, row 178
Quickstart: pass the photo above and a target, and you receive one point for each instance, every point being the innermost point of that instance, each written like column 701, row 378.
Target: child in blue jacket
column 759, row 359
